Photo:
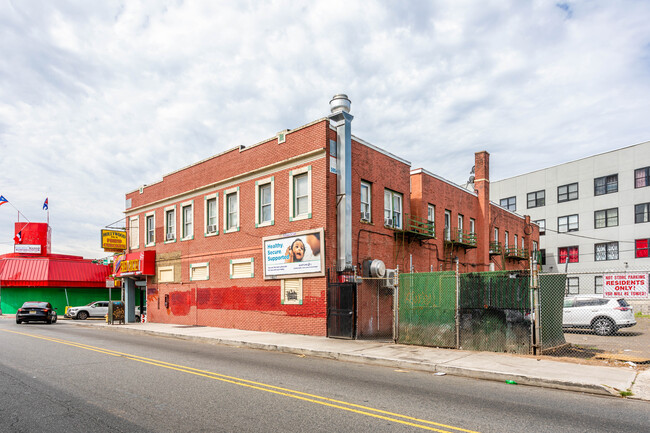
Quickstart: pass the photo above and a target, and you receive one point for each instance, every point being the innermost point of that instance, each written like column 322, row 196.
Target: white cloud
column 99, row 98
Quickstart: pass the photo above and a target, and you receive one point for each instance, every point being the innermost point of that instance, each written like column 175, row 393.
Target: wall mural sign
column 292, row 255
column 629, row 286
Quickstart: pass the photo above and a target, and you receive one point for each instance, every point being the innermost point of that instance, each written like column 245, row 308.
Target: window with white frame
column 300, row 193
column 496, row 234
column 242, row 268
column 134, row 232
column 542, row 226
column 447, row 225
column 515, row 244
column 606, row 251
column 460, row 223
column 211, row 214
column 598, row 284
column 472, row 225
column 523, row 243
column 573, row 285
column 264, row 202
column 535, row 246
column 606, row 218
column 291, row 291
column 506, row 239
column 392, row 209
column 187, row 212
column 170, row 224
column 567, row 223
column 431, row 214
column 231, row 210
column 366, row 195
column 199, row 271
column 150, row 224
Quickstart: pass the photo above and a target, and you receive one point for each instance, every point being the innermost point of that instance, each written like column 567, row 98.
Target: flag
column 45, row 206
column 18, row 238
column 3, row 200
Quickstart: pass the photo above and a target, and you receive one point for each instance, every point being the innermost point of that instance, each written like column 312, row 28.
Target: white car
column 94, row 309
column 604, row 316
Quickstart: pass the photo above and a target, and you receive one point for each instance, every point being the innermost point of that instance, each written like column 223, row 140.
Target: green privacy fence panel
column 500, row 289
column 13, row 298
column 493, row 308
column 427, row 303
column 551, row 299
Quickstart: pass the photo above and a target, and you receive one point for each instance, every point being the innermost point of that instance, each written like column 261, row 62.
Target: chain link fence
column 587, row 314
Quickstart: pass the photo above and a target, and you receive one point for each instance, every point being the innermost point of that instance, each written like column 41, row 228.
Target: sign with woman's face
column 293, row 254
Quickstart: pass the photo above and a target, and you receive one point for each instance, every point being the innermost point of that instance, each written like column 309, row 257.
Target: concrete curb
column 473, row 373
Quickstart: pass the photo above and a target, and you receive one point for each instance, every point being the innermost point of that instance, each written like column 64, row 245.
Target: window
column 300, row 194
column 506, row 240
column 242, row 268
column 166, row 274
column 231, row 210
column 535, row 247
column 496, row 234
column 447, row 225
column 573, row 285
column 606, row 218
column 606, row 251
column 150, row 224
column 606, row 184
column 460, row 222
column 509, row 203
column 170, row 224
column 264, row 202
column 472, row 225
column 515, row 244
column 641, row 177
column 365, row 202
column 199, row 271
column 536, row 199
column 134, row 232
column 523, row 243
column 641, row 248
column 570, row 253
column 542, row 256
column 187, row 212
column 431, row 214
column 568, row 223
column 211, row 214
column 542, row 226
column 642, row 213
column 392, row 209
column 598, row 284
column 567, row 192
column 291, row 291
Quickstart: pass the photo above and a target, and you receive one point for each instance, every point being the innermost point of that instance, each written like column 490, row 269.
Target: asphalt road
column 67, row 378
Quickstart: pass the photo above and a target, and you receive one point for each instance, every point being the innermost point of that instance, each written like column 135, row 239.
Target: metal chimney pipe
column 341, row 120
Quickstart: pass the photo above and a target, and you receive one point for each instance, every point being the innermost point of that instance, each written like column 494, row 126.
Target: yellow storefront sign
column 113, row 240
column 130, row 266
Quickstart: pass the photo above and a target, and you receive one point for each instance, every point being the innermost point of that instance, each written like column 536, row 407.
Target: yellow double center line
column 311, row 398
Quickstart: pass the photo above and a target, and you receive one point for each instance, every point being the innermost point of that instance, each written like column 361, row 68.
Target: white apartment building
column 593, row 213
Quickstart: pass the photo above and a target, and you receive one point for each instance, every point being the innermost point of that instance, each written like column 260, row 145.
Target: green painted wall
column 14, row 297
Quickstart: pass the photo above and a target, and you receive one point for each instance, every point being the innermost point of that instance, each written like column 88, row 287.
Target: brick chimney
column 482, row 187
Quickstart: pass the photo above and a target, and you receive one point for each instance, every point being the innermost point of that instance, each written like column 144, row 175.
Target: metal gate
column 341, row 309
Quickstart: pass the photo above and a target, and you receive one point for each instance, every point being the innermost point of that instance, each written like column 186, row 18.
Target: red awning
column 50, row 272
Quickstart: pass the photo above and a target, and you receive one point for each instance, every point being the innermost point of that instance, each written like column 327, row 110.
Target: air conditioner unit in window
column 171, row 236
column 212, row 228
column 388, row 222
column 365, row 216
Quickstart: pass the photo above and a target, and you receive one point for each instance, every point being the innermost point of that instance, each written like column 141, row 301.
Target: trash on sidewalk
column 511, row 382
column 631, row 364
column 439, row 373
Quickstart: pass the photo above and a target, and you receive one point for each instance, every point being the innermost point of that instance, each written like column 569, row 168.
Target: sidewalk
column 480, row 365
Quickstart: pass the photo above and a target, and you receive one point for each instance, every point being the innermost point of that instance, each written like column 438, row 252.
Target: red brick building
column 258, row 237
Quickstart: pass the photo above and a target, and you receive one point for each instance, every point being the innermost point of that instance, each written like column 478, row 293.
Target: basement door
column 341, row 310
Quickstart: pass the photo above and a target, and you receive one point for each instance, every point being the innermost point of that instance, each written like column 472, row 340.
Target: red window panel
column 562, row 254
column 573, row 254
column 642, row 248
column 570, row 253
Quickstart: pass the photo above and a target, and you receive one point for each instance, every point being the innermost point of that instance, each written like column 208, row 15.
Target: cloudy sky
column 97, row 98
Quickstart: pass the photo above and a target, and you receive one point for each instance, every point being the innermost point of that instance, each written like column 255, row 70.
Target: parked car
column 604, row 316
column 33, row 311
column 94, row 309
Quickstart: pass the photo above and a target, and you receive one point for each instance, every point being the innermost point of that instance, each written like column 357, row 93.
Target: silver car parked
column 94, row 309
column 604, row 316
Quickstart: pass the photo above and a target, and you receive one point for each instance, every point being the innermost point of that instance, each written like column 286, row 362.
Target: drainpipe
column 341, row 119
